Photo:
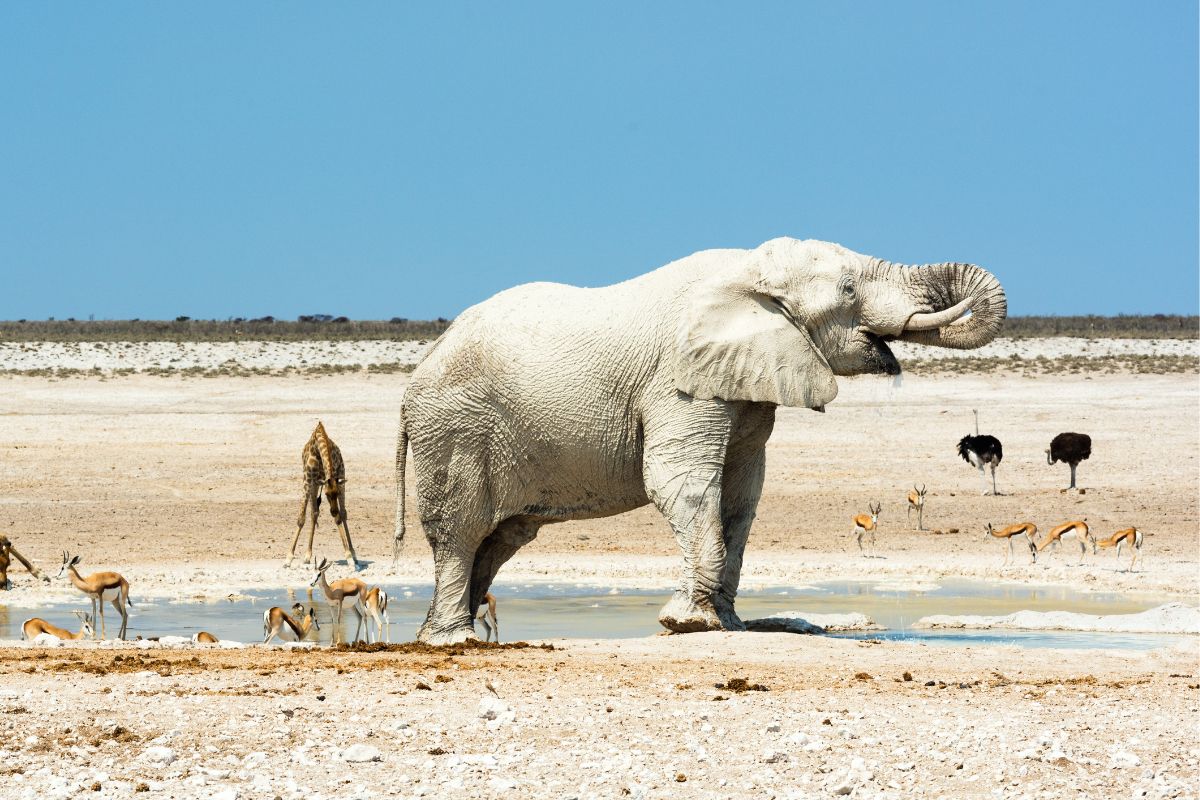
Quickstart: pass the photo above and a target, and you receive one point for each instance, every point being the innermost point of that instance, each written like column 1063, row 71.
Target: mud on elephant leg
column 692, row 506
column 450, row 618
column 739, row 503
column 509, row 537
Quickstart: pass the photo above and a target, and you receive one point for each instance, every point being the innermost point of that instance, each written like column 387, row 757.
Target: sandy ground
column 191, row 487
column 600, row 719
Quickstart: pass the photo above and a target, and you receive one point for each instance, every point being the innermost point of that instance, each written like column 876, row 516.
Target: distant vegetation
column 1149, row 326
column 310, row 327
column 326, row 327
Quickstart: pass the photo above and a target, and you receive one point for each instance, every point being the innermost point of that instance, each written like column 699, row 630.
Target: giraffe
column 323, row 465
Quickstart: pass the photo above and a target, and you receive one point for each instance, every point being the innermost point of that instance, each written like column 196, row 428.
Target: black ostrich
column 980, row 451
column 1071, row 448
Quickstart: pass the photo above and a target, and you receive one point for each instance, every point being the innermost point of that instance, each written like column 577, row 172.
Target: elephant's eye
column 848, row 290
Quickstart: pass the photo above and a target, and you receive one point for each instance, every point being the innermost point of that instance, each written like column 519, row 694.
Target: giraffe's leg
column 299, row 528
column 337, row 507
column 314, row 501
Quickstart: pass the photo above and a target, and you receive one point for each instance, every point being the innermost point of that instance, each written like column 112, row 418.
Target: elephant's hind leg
column 509, row 537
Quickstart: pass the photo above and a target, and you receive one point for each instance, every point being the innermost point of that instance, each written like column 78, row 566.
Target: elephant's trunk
column 950, row 291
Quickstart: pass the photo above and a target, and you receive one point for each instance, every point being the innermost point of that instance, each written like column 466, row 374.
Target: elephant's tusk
column 940, row 319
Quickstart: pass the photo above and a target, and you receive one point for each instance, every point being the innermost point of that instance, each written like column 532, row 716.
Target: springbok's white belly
column 111, row 594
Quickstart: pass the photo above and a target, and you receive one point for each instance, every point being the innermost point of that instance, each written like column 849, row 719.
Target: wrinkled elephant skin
column 549, row 403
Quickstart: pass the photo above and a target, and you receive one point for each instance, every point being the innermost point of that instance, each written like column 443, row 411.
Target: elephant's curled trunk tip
column 955, row 289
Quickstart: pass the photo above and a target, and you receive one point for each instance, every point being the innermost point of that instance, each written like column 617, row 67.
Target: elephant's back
column 534, row 333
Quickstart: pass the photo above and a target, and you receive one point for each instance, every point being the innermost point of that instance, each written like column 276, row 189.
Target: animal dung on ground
column 740, row 685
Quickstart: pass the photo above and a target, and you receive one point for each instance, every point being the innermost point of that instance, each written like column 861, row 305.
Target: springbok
column 1076, row 529
column 35, row 626
column 278, row 623
column 100, row 586
column 375, row 605
column 1128, row 536
column 341, row 594
column 1026, row 529
column 864, row 524
column 486, row 614
column 916, row 501
column 204, row 637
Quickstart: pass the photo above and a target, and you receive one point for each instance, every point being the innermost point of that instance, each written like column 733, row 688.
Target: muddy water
column 556, row 610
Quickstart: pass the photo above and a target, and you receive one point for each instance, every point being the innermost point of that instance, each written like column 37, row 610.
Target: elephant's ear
column 737, row 341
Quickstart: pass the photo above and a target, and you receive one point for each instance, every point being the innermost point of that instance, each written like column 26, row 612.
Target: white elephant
column 549, row 403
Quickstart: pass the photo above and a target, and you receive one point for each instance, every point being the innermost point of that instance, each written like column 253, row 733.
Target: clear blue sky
column 379, row 160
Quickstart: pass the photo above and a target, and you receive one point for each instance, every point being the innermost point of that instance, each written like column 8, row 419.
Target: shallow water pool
column 539, row 611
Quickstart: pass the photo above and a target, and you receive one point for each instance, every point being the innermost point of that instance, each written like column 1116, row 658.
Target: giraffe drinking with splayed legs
column 323, row 469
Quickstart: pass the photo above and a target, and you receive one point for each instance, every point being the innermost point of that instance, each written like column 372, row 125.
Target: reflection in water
column 551, row 611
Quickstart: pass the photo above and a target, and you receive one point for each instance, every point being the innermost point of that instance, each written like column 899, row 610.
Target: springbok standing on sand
column 916, row 502
column 864, row 524
column 323, row 467
column 1128, row 536
column 100, row 586
column 1012, row 532
column 341, row 594
column 1076, row 529
column 36, row 626
column 486, row 614
column 278, row 623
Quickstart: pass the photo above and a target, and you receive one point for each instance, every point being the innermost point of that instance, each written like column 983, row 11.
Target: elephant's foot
column 683, row 614
column 432, row 634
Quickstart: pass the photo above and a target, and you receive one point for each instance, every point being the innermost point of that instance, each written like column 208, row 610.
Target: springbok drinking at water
column 100, row 586
column 486, row 614
column 1128, row 536
column 36, row 626
column 277, row 623
column 375, row 606
column 1025, row 529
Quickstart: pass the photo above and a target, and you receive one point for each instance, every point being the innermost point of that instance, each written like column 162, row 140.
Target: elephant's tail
column 401, row 457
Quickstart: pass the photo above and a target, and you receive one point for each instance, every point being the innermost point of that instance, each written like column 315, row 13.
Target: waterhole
column 541, row 611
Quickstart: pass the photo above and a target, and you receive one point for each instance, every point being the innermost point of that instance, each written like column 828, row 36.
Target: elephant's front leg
column 742, row 488
column 683, row 475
